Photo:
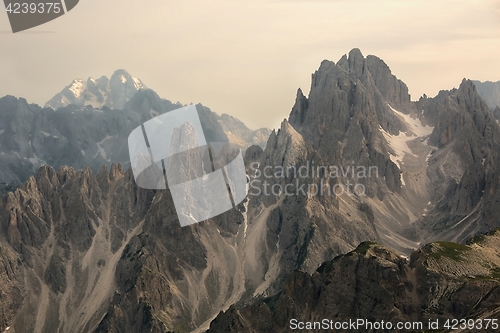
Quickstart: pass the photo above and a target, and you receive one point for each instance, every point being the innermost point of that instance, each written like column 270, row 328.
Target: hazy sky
column 247, row 58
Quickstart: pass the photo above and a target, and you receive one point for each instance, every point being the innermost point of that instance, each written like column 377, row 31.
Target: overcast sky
column 247, row 58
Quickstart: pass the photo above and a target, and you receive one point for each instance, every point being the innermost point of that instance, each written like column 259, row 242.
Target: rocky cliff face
column 67, row 231
column 84, row 253
column 439, row 282
column 466, row 138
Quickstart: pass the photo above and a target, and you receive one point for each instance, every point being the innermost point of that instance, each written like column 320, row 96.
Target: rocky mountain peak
column 394, row 90
column 355, row 86
column 467, row 94
column 350, row 110
column 461, row 110
column 343, row 63
column 122, row 87
column 356, row 63
column 299, row 109
column 113, row 93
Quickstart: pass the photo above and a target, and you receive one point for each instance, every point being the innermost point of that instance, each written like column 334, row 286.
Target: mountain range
column 114, row 93
column 88, row 123
column 85, row 250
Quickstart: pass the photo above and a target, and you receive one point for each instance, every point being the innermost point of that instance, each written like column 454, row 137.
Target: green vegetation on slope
column 449, row 250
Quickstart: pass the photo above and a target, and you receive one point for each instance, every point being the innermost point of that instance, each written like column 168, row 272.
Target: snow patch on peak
column 137, row 83
column 77, row 87
column 399, row 146
column 414, row 125
column 103, row 92
column 398, row 143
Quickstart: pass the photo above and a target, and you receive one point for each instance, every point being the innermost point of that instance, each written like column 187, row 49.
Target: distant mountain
column 76, row 136
column 490, row 92
column 239, row 134
column 113, row 93
column 79, row 134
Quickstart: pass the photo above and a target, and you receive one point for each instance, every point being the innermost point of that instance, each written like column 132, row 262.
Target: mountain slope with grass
column 441, row 281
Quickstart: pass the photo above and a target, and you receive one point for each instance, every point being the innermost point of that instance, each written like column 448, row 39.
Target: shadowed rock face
column 440, row 281
column 67, row 230
column 338, row 124
column 83, row 252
